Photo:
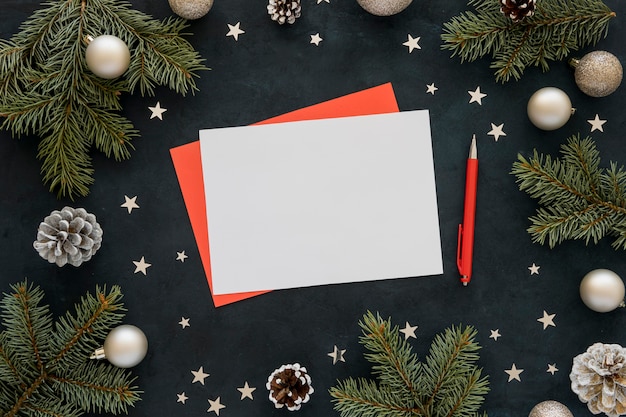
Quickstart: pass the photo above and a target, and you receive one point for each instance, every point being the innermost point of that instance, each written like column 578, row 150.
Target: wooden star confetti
column 157, row 111
column 316, row 39
column 199, row 376
column 412, row 43
column 246, row 391
column 184, row 322
column 430, row 89
column 337, row 355
column 130, row 203
column 495, row 334
column 552, row 368
column 596, row 123
column 182, row 398
column 409, row 331
column 235, row 31
column 142, row 266
column 496, row 131
column 476, row 96
column 180, row 256
column 216, row 406
column 534, row 269
column 514, row 373
column 547, row 320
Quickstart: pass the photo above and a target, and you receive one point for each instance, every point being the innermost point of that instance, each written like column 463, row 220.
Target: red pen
column 465, row 242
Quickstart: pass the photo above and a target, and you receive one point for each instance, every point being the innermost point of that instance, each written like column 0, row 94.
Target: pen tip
column 465, row 284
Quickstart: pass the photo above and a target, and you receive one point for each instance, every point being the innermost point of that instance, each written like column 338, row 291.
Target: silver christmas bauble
column 125, row 346
column 384, row 7
column 191, row 9
column 598, row 73
column 107, row 56
column 549, row 108
column 550, row 408
column 602, row 290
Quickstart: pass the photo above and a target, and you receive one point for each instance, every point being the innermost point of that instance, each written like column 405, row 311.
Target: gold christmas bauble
column 549, row 108
column 598, row 73
column 602, row 290
column 107, row 56
column 384, row 7
column 550, row 408
column 191, row 9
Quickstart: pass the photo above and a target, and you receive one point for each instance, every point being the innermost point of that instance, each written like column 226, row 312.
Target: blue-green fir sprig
column 45, row 368
column 552, row 33
column 578, row 199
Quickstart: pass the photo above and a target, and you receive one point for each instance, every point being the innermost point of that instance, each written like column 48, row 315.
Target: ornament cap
column 98, row 354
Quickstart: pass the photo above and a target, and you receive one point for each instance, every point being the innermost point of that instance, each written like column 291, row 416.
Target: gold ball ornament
column 107, row 56
column 602, row 290
column 550, row 408
column 191, row 9
column 549, row 108
column 597, row 74
column 384, row 7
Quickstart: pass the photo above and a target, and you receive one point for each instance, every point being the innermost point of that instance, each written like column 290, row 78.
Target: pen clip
column 459, row 261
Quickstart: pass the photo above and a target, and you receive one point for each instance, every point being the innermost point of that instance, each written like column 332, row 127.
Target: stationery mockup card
column 321, row 202
column 188, row 166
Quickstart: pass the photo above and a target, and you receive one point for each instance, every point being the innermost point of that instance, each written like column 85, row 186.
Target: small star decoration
column 495, row 334
column 142, row 266
column 235, row 31
column 412, row 43
column 216, row 406
column 430, row 89
column 180, row 256
column 552, row 368
column 596, row 124
column 182, row 398
column 246, row 391
column 496, row 131
column 534, row 269
column 199, row 376
column 184, row 322
column 409, row 331
column 514, row 373
column 477, row 96
column 337, row 355
column 547, row 320
column 130, row 203
column 157, row 111
column 316, row 39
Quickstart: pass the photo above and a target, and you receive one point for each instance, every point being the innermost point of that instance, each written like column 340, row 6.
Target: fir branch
column 448, row 384
column 578, row 199
column 47, row 90
column 49, row 373
column 557, row 28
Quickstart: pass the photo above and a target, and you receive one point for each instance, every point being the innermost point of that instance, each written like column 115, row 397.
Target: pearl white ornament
column 107, row 56
column 549, row 108
column 125, row 346
column 602, row 290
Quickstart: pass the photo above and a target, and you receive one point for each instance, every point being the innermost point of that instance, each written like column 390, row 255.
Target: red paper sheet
column 188, row 165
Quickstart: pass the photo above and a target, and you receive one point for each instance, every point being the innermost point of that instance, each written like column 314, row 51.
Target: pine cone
column 517, row 9
column 289, row 385
column 599, row 378
column 283, row 11
column 68, row 236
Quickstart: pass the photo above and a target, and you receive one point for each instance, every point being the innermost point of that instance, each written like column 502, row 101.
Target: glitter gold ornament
column 597, row 74
column 384, row 7
column 550, row 408
column 191, row 9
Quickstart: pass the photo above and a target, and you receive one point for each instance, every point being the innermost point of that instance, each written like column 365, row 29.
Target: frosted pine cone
column 283, row 11
column 599, row 378
column 68, row 236
column 289, row 385
column 517, row 9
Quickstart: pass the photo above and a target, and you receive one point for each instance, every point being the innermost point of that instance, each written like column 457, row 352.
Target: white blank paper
column 321, row 202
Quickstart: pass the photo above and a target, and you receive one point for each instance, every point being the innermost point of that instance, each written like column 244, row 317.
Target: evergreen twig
column 557, row 28
column 47, row 90
column 448, row 384
column 578, row 199
column 45, row 368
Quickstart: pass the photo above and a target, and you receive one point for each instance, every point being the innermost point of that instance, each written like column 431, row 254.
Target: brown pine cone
column 517, row 9
column 289, row 385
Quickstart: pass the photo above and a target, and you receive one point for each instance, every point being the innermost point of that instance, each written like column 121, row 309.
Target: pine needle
column 578, row 199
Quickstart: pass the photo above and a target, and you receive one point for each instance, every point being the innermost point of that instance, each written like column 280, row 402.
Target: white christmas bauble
column 125, row 346
column 191, row 9
column 107, row 56
column 602, row 290
column 384, row 7
column 549, row 108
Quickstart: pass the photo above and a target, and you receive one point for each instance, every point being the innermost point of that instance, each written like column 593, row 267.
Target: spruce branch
column 47, row 90
column 45, row 369
column 448, row 384
column 578, row 199
column 557, row 28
